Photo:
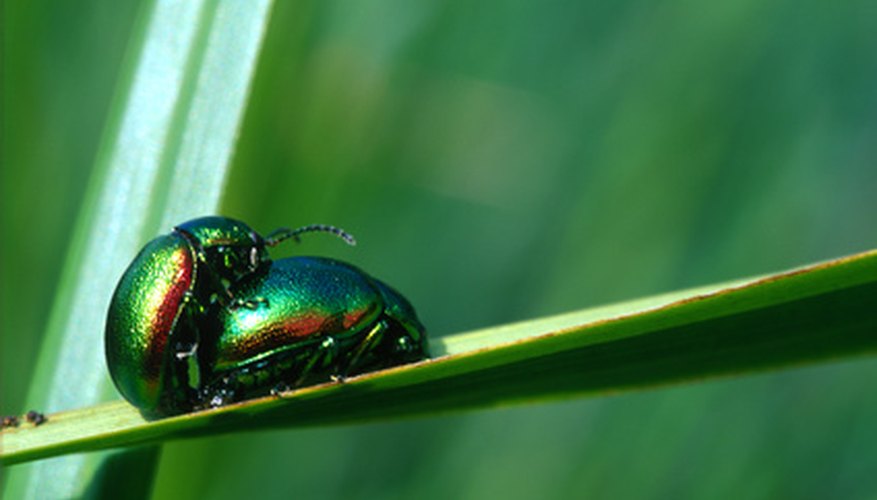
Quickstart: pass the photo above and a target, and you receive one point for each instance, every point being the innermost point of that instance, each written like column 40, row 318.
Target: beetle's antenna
column 285, row 233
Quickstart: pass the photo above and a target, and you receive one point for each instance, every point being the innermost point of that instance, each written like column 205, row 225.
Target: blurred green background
column 501, row 160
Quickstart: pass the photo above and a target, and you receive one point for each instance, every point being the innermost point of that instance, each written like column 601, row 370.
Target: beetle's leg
column 372, row 339
column 326, row 351
column 185, row 364
column 284, row 233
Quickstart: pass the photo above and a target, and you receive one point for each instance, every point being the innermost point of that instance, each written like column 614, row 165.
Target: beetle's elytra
column 203, row 316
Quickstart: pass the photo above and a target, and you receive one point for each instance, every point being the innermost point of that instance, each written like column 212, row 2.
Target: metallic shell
column 142, row 316
column 305, row 300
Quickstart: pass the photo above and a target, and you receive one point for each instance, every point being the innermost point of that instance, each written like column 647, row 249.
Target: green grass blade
column 825, row 311
column 165, row 158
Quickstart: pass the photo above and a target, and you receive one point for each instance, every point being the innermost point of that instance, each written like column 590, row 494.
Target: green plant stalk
column 822, row 312
column 164, row 159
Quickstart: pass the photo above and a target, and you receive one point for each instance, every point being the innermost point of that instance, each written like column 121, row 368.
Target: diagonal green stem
column 823, row 312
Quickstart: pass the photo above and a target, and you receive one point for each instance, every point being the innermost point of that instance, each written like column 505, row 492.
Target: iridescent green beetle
column 308, row 320
column 203, row 317
column 159, row 309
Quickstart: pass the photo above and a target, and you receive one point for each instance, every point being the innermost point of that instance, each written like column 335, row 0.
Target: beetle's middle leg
column 324, row 353
column 328, row 354
column 372, row 339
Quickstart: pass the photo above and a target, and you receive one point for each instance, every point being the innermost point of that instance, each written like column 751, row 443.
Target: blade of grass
column 165, row 157
column 826, row 311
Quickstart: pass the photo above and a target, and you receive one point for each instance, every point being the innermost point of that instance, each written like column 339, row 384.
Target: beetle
column 160, row 306
column 309, row 319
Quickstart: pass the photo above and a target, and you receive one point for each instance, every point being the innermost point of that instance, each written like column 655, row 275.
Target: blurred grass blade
column 822, row 312
column 165, row 156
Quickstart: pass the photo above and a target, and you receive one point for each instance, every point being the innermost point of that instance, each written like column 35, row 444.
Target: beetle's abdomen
column 142, row 315
column 297, row 302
